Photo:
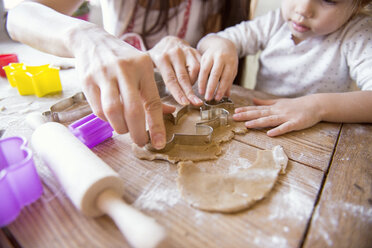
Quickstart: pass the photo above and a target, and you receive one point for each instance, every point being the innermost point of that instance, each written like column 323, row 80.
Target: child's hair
column 362, row 7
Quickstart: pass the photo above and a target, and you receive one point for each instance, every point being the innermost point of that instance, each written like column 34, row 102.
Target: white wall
column 251, row 62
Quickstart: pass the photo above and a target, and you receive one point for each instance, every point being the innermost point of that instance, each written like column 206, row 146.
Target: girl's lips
column 300, row 28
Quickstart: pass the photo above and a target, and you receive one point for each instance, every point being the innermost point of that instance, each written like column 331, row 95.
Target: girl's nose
column 304, row 8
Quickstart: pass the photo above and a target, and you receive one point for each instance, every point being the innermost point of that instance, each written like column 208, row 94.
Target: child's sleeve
column 251, row 36
column 358, row 49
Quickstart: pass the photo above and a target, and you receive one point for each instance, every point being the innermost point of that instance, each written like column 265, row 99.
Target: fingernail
column 184, row 100
column 158, row 141
column 248, row 124
column 197, row 100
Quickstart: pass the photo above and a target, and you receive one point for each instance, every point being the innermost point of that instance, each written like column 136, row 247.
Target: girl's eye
column 330, row 2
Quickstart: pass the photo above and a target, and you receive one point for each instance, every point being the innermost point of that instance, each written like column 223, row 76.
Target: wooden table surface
column 324, row 199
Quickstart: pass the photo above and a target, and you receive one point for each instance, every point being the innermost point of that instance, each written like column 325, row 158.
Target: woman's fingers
column 154, row 111
column 168, row 109
column 93, row 96
column 113, row 107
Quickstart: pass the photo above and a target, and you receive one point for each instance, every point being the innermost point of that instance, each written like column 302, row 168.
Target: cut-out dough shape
column 231, row 192
column 191, row 152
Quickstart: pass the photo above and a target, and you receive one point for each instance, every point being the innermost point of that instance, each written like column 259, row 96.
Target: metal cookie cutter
column 211, row 115
column 20, row 184
column 69, row 109
column 29, row 80
column 216, row 113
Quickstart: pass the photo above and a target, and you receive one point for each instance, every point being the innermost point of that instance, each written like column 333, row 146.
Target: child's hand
column 179, row 65
column 218, row 68
column 284, row 114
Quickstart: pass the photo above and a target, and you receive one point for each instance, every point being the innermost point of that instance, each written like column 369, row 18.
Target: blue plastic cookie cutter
column 91, row 130
column 20, row 184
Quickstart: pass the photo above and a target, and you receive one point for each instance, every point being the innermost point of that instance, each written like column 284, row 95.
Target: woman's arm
column 117, row 79
column 45, row 28
column 287, row 115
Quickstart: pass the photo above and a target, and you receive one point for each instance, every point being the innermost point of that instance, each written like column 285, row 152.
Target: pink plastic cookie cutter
column 91, row 130
column 33, row 80
column 6, row 59
column 20, row 184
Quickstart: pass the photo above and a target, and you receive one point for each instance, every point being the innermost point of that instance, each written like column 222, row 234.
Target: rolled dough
column 218, row 191
column 186, row 125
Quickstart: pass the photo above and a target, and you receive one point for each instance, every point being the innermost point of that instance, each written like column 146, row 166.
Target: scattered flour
column 157, row 197
column 296, row 206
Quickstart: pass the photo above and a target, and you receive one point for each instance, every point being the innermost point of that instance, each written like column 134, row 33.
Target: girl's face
column 310, row 18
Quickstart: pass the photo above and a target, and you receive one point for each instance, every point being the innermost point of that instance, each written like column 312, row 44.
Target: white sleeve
column 251, row 36
column 358, row 49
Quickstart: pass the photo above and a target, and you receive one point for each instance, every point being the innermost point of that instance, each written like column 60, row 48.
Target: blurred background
column 91, row 11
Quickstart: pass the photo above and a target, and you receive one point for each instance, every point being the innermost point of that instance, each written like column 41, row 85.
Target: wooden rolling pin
column 93, row 186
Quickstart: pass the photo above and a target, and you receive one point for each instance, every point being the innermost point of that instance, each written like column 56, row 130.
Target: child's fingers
column 205, row 68
column 228, row 75
column 251, row 115
column 249, row 108
column 268, row 121
column 193, row 65
column 282, row 129
column 258, row 101
column 214, row 79
column 179, row 63
column 170, row 79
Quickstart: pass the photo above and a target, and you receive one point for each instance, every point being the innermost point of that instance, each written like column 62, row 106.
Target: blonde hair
column 362, row 7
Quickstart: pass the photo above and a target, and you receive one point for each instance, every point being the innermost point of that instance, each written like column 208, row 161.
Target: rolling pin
column 93, row 186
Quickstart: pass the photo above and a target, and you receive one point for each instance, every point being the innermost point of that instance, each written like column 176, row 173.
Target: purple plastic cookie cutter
column 91, row 130
column 20, row 184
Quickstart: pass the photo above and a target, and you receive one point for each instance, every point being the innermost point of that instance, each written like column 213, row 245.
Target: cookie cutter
column 6, row 59
column 91, row 130
column 20, row 184
column 212, row 115
column 68, row 109
column 39, row 80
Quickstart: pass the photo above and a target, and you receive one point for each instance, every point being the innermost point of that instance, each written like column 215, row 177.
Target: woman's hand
column 118, row 81
column 219, row 66
column 178, row 64
column 284, row 114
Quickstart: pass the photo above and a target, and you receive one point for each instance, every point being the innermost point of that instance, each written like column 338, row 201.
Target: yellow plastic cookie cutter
column 29, row 80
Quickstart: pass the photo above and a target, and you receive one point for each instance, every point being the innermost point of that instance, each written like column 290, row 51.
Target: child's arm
column 299, row 113
column 218, row 66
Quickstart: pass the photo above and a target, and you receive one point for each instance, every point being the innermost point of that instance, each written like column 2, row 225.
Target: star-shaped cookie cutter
column 29, row 80
column 213, row 114
column 68, row 109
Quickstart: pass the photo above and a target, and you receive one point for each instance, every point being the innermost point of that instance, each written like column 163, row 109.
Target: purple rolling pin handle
column 20, row 184
column 91, row 130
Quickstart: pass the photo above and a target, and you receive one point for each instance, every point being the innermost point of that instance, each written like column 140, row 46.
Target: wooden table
column 324, row 199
